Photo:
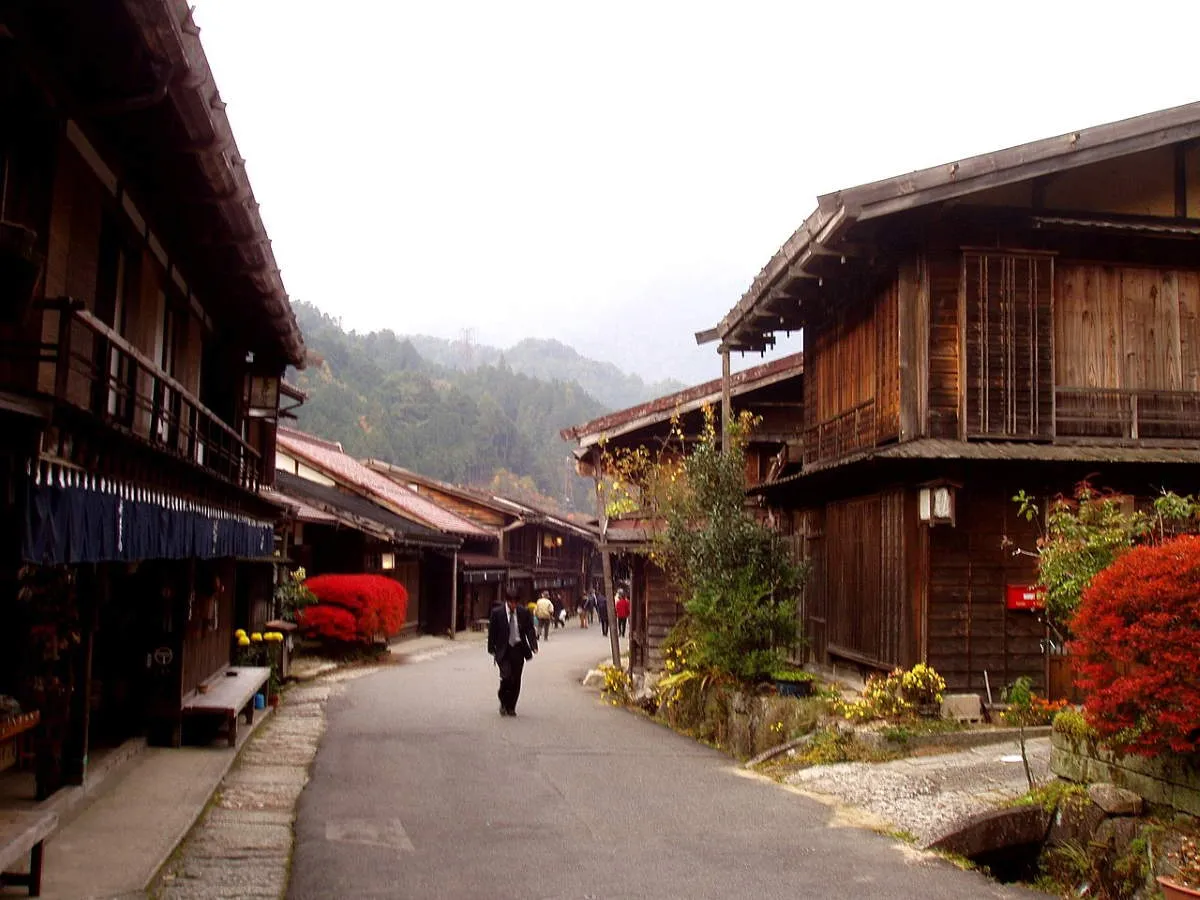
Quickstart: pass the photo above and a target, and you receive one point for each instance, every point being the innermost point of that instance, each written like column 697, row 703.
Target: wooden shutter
column 1009, row 383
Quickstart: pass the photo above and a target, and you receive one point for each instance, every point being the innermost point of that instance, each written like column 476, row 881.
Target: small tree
column 1085, row 534
column 1137, row 631
column 738, row 583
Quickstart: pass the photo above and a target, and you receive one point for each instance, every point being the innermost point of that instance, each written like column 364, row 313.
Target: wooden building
column 533, row 550
column 1015, row 321
column 772, row 392
column 380, row 527
column 144, row 330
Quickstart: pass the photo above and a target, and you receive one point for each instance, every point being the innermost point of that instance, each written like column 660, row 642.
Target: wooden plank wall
column 852, row 356
column 944, row 275
column 663, row 610
column 1135, row 327
column 814, row 601
column 864, row 578
column 887, row 354
column 969, row 629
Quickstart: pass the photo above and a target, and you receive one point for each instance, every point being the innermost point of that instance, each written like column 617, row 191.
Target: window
column 1007, row 320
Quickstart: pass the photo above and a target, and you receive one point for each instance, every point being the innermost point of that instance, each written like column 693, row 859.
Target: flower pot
column 1173, row 890
column 20, row 270
column 273, row 701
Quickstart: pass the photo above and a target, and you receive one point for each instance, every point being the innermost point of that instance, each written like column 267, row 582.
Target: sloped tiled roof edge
column 662, row 408
column 339, row 465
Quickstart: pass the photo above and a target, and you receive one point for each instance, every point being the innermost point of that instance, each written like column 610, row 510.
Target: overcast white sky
column 615, row 174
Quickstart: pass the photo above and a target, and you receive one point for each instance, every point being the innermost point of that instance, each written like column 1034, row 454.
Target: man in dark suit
column 512, row 639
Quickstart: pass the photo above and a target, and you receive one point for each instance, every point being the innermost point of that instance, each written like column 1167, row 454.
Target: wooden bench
column 228, row 693
column 22, row 832
column 479, row 625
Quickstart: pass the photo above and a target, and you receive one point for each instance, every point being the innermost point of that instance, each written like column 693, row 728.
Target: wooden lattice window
column 1008, row 322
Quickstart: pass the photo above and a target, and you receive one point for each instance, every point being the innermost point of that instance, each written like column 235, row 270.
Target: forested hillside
column 550, row 361
column 381, row 398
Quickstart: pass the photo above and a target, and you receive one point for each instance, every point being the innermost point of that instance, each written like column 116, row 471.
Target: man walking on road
column 512, row 639
column 544, row 613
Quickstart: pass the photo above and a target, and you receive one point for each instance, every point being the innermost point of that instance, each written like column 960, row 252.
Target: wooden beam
column 708, row 335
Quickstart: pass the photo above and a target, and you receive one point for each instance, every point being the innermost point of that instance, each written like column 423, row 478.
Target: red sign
column 1024, row 596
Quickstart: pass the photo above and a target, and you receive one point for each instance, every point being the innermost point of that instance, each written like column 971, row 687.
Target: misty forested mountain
column 550, row 361
column 482, row 424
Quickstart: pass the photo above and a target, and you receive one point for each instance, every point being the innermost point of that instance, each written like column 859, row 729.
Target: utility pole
column 726, row 406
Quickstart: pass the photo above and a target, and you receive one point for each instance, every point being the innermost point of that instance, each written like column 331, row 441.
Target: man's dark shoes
column 503, row 711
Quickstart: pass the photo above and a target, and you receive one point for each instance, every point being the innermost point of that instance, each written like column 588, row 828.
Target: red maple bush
column 1137, row 637
column 354, row 608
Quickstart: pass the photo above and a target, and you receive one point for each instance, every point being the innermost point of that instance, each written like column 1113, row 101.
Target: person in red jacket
column 622, row 610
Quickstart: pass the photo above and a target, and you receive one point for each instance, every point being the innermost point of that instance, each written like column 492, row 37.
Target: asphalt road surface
column 421, row 789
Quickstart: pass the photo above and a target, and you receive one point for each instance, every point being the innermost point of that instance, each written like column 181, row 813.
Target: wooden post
column 606, row 565
column 454, row 597
column 726, row 407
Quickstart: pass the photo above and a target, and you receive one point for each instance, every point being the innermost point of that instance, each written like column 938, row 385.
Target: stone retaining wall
column 1167, row 780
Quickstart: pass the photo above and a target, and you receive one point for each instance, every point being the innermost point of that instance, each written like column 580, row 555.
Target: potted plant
column 1184, row 882
column 793, row 682
column 20, row 269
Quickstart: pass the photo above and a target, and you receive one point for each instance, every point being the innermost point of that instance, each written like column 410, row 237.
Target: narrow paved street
column 420, row 789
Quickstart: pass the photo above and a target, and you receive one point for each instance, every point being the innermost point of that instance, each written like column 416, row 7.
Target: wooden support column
column 90, row 582
column 606, row 565
column 726, row 406
column 454, row 597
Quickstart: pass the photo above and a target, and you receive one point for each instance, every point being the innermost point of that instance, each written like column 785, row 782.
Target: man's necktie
column 514, row 634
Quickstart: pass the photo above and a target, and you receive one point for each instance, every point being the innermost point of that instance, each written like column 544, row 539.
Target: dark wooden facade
column 143, row 335
column 1020, row 321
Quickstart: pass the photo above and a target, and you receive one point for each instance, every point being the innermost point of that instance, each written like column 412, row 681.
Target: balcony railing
column 92, row 368
column 1126, row 414
column 845, row 433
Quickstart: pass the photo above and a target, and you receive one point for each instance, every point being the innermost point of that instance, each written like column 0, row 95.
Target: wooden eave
column 663, row 409
column 947, row 450
column 804, row 257
column 133, row 77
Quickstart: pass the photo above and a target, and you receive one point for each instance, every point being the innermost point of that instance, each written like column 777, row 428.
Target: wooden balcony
column 843, row 434
column 1129, row 415
column 91, row 368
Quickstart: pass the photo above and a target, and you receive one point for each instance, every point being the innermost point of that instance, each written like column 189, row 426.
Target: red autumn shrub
column 373, row 606
column 1137, row 637
column 330, row 623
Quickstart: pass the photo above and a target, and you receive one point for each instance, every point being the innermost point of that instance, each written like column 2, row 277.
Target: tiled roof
column 362, row 514
column 662, row 408
column 304, row 512
column 330, row 458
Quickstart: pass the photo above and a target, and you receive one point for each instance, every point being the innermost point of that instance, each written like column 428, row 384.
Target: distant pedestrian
column 512, row 639
column 589, row 605
column 544, row 611
column 602, row 613
column 622, row 610
column 583, row 613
